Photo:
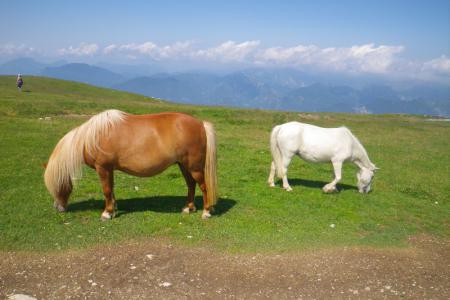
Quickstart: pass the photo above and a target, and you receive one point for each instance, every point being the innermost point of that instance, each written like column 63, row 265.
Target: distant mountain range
column 84, row 73
column 283, row 89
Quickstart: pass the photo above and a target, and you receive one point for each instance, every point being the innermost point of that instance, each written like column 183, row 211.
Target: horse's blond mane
column 67, row 158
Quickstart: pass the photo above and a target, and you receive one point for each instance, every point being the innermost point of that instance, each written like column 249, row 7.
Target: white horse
column 316, row 144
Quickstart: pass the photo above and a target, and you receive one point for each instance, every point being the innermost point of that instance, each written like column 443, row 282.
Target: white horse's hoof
column 206, row 214
column 329, row 189
column 271, row 184
column 59, row 207
column 288, row 189
column 106, row 216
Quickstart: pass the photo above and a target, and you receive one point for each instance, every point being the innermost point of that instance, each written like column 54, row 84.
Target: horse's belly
column 314, row 155
column 310, row 157
column 145, row 167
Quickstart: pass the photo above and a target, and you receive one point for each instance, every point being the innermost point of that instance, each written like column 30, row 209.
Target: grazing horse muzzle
column 59, row 207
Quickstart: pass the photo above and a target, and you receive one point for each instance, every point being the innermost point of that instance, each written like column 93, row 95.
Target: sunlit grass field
column 410, row 193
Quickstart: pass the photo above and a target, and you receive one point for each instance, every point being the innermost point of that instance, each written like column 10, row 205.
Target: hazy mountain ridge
column 283, row 89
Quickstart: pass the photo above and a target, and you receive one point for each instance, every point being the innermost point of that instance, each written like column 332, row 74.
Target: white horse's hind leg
column 286, row 161
column 271, row 179
column 331, row 187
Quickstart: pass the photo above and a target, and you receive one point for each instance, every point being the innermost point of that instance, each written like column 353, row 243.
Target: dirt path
column 156, row 269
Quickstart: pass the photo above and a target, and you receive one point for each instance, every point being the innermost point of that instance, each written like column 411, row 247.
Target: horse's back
column 314, row 143
column 145, row 145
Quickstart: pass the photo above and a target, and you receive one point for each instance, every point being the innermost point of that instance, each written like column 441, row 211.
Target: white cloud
column 365, row 58
column 360, row 58
column 439, row 65
column 356, row 59
column 229, row 51
column 82, row 50
column 150, row 49
column 12, row 49
column 109, row 49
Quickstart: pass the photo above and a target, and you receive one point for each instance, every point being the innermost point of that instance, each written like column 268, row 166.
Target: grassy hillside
column 410, row 193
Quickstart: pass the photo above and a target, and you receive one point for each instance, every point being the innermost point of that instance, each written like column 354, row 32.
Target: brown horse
column 140, row 145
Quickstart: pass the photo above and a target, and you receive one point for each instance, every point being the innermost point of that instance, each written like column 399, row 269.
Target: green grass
column 413, row 154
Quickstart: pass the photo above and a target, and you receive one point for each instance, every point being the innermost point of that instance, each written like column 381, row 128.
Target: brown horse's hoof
column 206, row 215
column 106, row 216
column 188, row 210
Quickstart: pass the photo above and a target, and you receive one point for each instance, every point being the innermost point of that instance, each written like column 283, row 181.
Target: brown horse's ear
column 44, row 165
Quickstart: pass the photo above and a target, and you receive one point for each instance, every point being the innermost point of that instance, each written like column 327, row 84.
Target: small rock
column 189, row 236
column 133, row 267
column 332, row 225
column 136, row 188
column 20, row 297
column 150, row 256
column 165, row 284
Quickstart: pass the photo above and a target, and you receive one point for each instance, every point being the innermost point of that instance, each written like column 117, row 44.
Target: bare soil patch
column 159, row 269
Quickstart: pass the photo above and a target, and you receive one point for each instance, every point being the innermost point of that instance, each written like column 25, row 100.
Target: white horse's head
column 365, row 176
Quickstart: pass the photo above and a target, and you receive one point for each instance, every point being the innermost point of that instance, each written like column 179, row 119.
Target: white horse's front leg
column 331, row 187
column 286, row 185
column 271, row 179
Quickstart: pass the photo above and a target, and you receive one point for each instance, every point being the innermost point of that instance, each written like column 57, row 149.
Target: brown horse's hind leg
column 200, row 179
column 190, row 182
column 107, row 180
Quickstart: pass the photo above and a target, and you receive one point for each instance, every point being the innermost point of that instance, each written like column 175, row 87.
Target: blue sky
column 354, row 36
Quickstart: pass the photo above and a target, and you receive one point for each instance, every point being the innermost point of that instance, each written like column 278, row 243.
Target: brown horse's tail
column 67, row 158
column 210, row 164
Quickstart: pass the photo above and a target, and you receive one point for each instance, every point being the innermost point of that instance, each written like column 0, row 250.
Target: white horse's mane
column 361, row 153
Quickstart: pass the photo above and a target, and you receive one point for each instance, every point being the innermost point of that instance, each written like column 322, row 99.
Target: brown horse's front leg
column 107, row 179
column 190, row 182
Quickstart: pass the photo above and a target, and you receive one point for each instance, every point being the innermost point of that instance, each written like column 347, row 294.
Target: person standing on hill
column 19, row 82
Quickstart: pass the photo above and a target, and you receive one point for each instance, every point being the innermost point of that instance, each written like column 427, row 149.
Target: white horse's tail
column 210, row 170
column 67, row 158
column 276, row 153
